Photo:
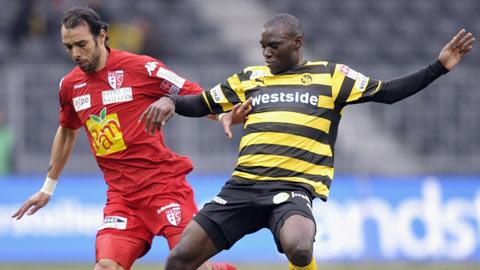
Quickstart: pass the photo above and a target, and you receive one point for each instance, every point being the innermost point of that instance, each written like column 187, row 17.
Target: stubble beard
column 92, row 66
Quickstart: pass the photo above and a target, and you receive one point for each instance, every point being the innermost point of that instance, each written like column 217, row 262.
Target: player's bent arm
column 400, row 88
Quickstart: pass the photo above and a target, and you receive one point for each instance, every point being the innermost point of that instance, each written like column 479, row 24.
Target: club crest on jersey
column 306, row 79
column 173, row 212
column 115, row 78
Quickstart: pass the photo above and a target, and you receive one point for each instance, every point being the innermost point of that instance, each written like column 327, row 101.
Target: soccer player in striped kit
column 286, row 155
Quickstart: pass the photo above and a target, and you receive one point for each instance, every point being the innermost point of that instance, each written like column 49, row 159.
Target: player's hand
column 157, row 114
column 37, row 201
column 460, row 44
column 238, row 115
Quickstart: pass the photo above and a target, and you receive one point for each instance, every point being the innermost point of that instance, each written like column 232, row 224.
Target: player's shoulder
column 135, row 59
column 322, row 64
column 69, row 80
column 137, row 63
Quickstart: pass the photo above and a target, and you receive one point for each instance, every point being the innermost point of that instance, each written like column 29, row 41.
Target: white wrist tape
column 49, row 186
column 220, row 116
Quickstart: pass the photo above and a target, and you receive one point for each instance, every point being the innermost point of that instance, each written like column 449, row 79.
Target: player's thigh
column 169, row 214
column 123, row 236
column 292, row 221
column 122, row 250
column 195, row 243
column 231, row 215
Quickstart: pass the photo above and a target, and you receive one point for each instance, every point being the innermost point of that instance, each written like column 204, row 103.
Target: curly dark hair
column 80, row 15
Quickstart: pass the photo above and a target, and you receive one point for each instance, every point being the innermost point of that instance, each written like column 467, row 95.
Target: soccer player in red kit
column 107, row 93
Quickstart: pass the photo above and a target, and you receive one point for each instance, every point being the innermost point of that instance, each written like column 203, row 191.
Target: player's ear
column 102, row 36
column 298, row 42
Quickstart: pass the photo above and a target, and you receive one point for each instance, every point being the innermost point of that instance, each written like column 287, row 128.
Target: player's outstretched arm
column 454, row 50
column 63, row 144
column 402, row 87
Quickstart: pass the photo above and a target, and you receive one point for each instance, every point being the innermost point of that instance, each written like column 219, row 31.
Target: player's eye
column 273, row 45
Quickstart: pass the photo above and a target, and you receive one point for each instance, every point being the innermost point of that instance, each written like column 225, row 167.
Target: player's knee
column 299, row 253
column 107, row 264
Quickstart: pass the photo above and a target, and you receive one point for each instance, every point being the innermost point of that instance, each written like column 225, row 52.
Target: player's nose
column 267, row 53
column 76, row 53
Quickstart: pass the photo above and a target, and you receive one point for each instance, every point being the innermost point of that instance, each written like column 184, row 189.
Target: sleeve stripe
column 205, row 99
column 377, row 89
column 345, row 90
column 337, row 81
column 236, row 85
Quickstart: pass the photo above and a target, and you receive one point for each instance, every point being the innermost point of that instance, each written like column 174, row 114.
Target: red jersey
column 108, row 103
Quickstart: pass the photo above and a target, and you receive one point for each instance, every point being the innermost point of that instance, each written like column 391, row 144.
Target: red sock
column 223, row 266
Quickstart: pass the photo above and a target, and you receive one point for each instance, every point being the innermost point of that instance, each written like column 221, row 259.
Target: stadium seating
column 380, row 38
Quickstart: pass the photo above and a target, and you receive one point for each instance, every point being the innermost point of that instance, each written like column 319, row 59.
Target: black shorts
column 243, row 207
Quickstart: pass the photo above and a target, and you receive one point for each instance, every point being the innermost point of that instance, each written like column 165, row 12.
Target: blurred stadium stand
column 433, row 132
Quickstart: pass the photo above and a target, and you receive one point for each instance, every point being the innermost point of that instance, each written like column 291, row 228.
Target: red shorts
column 127, row 230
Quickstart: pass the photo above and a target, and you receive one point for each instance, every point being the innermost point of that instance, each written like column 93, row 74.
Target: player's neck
column 102, row 61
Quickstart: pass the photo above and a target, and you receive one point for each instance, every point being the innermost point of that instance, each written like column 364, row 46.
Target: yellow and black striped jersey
column 291, row 131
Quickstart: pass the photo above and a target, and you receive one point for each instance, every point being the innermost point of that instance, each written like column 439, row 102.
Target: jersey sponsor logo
column 117, row 95
column 151, row 66
column 297, row 97
column 115, row 78
column 361, row 82
column 169, row 87
column 82, row 102
column 171, row 77
column 114, row 222
column 165, row 85
column 174, row 90
column 217, row 94
column 352, row 74
column 106, row 133
column 303, row 196
column 280, row 197
column 79, row 85
column 173, row 213
column 219, row 200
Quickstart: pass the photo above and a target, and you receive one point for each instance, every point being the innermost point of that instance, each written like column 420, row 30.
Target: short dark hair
column 80, row 15
column 294, row 26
